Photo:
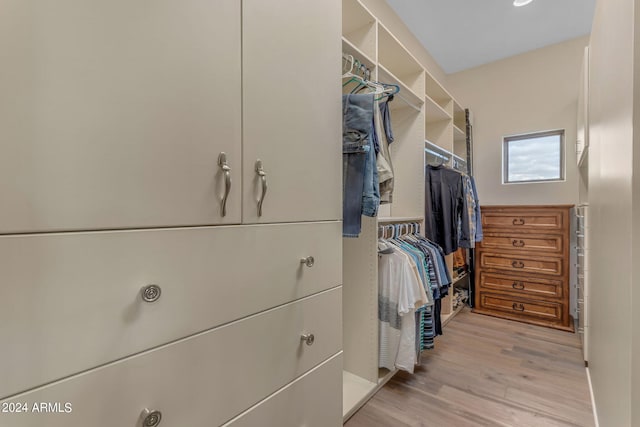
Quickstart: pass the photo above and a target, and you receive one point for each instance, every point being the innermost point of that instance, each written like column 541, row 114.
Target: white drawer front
column 70, row 302
column 314, row 400
column 205, row 380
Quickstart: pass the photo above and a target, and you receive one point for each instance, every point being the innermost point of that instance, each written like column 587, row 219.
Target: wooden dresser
column 522, row 268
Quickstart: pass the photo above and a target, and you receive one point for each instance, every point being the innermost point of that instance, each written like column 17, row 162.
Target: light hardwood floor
column 486, row 371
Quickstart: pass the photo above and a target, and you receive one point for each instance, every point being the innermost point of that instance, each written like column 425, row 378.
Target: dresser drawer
column 538, row 287
column 515, row 306
column 313, row 400
column 522, row 264
column 524, row 243
column 70, row 302
column 205, row 380
column 526, row 219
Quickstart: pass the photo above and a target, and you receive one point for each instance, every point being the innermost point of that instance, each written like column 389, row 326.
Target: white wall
column 635, row 285
column 535, row 91
column 613, row 210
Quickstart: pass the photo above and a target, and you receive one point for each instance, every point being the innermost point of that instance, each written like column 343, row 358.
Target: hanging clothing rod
column 399, row 229
column 399, row 220
column 438, row 148
column 433, row 153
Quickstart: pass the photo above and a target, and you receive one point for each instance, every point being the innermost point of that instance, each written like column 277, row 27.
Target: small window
column 534, row 157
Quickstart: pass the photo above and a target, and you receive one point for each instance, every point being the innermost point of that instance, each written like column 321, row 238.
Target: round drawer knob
column 151, row 418
column 151, row 293
column 308, row 261
column 309, row 339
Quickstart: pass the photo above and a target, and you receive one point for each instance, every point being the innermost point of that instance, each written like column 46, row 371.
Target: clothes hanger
column 388, row 90
column 350, row 61
column 384, row 247
column 350, row 74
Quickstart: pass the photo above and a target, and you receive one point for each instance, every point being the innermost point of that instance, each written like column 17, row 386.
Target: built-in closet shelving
column 422, row 111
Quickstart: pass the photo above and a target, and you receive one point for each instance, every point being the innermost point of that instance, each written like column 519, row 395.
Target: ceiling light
column 518, row 3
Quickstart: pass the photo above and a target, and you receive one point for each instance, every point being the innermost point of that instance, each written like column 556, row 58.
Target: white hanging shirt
column 398, row 294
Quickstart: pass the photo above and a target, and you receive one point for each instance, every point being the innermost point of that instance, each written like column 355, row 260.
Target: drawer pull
column 308, row 339
column 150, row 418
column 151, row 293
column 518, row 221
column 517, row 264
column 262, row 175
column 308, row 261
column 518, row 307
column 518, row 243
column 226, row 170
column 518, row 285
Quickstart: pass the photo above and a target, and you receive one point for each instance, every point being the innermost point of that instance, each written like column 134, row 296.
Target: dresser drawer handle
column 518, row 285
column 517, row 264
column 308, row 261
column 518, row 221
column 150, row 418
column 518, row 243
column 518, row 307
column 151, row 293
column 308, row 339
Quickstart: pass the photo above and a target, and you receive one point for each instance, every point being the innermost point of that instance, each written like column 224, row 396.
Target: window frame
column 505, row 155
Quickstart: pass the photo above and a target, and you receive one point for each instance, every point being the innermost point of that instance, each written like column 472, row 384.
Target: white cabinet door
column 113, row 113
column 292, row 110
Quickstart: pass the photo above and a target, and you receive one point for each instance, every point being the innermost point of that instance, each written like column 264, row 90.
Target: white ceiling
column 462, row 34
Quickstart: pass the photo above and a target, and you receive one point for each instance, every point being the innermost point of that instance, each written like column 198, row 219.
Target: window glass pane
column 534, row 159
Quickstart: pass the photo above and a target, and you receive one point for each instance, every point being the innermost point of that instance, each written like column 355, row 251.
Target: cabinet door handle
column 517, row 264
column 262, row 175
column 518, row 243
column 518, row 307
column 518, row 221
column 226, row 170
column 518, row 285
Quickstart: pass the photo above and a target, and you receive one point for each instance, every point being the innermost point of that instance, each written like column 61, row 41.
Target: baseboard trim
column 593, row 400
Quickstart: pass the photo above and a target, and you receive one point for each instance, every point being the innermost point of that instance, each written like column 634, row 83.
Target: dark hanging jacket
column 444, row 200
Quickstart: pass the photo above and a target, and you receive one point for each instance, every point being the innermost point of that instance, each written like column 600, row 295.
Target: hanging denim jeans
column 357, row 167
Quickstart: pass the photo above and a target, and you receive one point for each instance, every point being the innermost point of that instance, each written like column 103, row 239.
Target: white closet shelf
column 458, row 134
column 386, row 76
column 355, row 393
column 355, row 17
column 392, row 51
column 436, row 91
column 459, row 115
column 446, row 318
column 351, row 49
column 460, row 278
column 434, row 111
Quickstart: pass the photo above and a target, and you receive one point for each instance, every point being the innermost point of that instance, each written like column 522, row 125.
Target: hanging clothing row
column 367, row 170
column 412, row 280
column 452, row 208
